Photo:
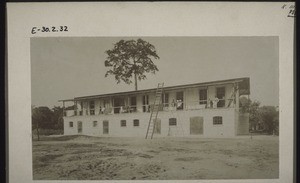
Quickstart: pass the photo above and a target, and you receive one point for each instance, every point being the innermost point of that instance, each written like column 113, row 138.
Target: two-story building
column 209, row 109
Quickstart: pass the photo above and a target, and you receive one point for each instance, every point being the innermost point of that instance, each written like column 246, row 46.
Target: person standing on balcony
column 209, row 103
column 173, row 104
column 179, row 103
column 100, row 110
column 215, row 102
column 103, row 110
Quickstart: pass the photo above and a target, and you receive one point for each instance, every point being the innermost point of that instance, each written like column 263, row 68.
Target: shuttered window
column 123, row 123
column 172, row 122
column 136, row 122
column 217, row 120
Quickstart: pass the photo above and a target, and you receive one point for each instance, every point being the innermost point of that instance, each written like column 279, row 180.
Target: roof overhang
column 243, row 83
column 66, row 100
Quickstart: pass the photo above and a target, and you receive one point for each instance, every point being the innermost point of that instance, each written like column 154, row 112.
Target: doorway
column 118, row 103
column 105, row 127
column 133, row 104
column 196, row 125
column 221, row 96
column 79, row 127
column 145, row 103
column 157, row 128
column 179, row 100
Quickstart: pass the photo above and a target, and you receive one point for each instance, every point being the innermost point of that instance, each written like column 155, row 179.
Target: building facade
column 209, row 109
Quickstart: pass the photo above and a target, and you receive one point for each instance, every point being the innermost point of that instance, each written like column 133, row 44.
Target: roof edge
column 235, row 80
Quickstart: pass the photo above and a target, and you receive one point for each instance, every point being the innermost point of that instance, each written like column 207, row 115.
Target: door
column 196, row 125
column 157, row 128
column 145, row 103
column 165, row 99
column 221, row 96
column 118, row 103
column 179, row 100
column 133, row 104
column 105, row 127
column 79, row 127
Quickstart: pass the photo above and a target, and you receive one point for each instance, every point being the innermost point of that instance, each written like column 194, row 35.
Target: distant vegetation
column 47, row 121
column 263, row 119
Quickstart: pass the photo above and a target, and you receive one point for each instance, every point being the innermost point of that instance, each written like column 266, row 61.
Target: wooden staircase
column 154, row 111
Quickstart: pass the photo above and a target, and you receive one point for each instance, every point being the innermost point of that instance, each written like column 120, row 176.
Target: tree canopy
column 131, row 59
column 44, row 118
column 266, row 116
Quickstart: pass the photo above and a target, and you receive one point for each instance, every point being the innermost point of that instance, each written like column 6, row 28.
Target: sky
column 68, row 67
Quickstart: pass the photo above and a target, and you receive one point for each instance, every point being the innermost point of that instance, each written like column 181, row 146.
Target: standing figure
column 100, row 110
column 215, row 102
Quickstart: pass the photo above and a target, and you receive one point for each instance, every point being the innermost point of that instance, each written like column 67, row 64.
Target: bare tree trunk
column 135, row 82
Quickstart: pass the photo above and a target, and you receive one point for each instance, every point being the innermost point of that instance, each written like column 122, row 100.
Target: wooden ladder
column 154, row 111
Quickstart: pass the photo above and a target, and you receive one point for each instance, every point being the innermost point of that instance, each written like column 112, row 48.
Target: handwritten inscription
column 291, row 10
column 43, row 29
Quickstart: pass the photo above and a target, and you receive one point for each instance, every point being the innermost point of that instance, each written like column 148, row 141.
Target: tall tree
column 42, row 118
column 131, row 59
column 58, row 117
column 269, row 116
column 254, row 116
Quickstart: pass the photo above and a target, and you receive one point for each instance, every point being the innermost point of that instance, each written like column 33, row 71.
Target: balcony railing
column 195, row 105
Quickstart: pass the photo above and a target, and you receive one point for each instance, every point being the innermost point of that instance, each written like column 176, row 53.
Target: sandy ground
column 90, row 158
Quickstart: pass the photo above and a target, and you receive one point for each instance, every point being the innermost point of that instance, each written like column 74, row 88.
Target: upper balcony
column 164, row 107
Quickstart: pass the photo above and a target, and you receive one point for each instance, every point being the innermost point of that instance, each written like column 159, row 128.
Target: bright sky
column 64, row 68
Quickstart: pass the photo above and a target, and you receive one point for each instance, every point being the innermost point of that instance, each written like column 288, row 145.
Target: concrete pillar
column 237, row 98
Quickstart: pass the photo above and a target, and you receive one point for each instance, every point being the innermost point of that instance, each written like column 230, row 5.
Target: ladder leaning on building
column 154, row 111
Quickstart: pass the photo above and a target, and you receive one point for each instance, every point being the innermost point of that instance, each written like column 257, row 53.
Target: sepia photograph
column 150, row 91
column 155, row 108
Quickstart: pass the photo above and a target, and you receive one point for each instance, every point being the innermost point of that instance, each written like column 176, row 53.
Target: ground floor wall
column 202, row 123
column 242, row 126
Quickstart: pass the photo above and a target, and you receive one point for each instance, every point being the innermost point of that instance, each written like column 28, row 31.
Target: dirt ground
column 96, row 158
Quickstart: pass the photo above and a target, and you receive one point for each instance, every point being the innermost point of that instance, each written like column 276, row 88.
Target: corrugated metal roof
column 244, row 85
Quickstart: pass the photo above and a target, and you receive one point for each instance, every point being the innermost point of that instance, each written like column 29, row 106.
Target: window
column 95, row 123
column 123, row 123
column 172, row 122
column 203, row 96
column 217, row 120
column 136, row 122
column 65, row 113
column 70, row 124
column 92, row 107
